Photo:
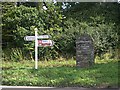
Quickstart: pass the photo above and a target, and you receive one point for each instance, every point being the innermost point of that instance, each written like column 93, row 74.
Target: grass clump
column 61, row 74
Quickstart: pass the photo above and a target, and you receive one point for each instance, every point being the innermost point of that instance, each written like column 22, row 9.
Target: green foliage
column 16, row 55
column 13, row 54
column 6, row 6
column 99, row 20
column 19, row 22
column 63, row 73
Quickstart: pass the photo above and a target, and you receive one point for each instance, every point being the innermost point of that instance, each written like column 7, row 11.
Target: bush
column 99, row 20
column 19, row 22
column 13, row 54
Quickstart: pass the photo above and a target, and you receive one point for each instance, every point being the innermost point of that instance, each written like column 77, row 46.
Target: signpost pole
column 36, row 49
column 42, row 43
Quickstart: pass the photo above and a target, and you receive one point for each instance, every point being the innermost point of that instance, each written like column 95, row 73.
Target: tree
column 19, row 22
column 100, row 20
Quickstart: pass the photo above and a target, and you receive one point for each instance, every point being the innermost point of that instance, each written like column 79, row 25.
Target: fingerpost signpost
column 39, row 43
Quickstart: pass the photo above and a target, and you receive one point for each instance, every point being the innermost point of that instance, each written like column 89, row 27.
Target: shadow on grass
column 99, row 75
column 21, row 68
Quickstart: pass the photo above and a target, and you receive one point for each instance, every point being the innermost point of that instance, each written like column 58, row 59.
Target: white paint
column 42, row 43
column 32, row 38
column 44, row 36
column 36, row 49
column 29, row 38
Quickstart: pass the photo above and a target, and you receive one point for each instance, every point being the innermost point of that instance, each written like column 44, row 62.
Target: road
column 51, row 88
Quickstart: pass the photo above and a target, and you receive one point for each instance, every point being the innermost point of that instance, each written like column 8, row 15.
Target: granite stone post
column 84, row 51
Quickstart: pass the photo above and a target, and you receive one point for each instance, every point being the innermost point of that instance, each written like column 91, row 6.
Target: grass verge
column 104, row 74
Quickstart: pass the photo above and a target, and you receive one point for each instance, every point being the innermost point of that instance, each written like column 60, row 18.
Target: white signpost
column 41, row 43
column 36, row 49
column 32, row 38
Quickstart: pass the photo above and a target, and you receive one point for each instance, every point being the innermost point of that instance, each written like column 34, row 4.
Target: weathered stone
column 84, row 51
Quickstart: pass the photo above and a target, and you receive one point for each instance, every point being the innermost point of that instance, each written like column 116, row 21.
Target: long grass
column 104, row 74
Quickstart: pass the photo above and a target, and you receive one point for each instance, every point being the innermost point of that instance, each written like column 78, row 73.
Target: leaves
column 99, row 20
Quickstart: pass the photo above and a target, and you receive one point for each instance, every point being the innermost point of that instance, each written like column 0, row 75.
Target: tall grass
column 13, row 54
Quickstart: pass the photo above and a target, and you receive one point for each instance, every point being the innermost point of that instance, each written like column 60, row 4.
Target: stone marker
column 84, row 51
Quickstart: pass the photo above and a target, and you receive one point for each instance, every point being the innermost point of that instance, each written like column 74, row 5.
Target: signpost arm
column 36, row 49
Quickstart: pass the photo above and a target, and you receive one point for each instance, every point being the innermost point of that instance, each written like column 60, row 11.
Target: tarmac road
column 51, row 88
